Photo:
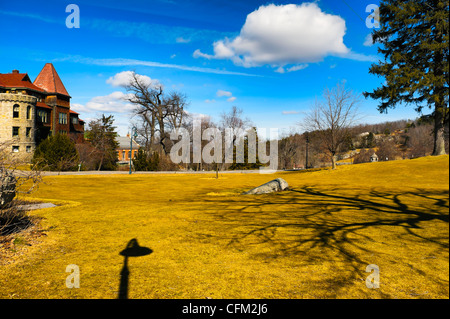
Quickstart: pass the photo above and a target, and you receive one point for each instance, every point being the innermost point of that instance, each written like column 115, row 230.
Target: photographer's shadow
column 132, row 250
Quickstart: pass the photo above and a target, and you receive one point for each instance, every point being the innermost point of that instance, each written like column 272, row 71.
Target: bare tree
column 15, row 178
column 235, row 121
column 159, row 110
column 420, row 140
column 331, row 119
column 292, row 151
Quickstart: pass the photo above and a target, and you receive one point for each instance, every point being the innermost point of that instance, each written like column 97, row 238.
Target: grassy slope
column 313, row 241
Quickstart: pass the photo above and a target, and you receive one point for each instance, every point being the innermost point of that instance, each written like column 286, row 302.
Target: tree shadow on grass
column 333, row 225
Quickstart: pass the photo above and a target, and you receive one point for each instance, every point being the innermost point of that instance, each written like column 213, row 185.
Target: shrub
column 56, row 153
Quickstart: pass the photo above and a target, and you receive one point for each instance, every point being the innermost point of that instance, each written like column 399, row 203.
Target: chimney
column 15, row 71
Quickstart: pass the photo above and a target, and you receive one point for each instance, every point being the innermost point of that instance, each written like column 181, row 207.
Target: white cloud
column 182, row 40
column 359, row 57
column 198, row 54
column 228, row 94
column 133, row 62
column 297, row 67
column 210, row 101
column 124, row 78
column 290, row 112
column 283, row 34
column 223, row 93
column 291, row 69
column 368, row 42
column 114, row 102
column 280, row 70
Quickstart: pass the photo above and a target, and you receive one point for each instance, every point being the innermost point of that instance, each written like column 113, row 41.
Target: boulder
column 7, row 189
column 275, row 185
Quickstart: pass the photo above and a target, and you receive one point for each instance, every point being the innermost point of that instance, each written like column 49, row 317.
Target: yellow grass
column 313, row 241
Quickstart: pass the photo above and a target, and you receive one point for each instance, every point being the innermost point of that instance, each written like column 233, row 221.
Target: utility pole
column 131, row 143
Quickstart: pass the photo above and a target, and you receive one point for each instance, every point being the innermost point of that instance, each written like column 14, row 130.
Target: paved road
column 158, row 172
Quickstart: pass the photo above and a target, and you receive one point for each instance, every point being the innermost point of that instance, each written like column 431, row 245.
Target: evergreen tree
column 414, row 35
column 102, row 135
column 140, row 161
column 246, row 164
column 56, row 153
column 143, row 162
column 153, row 162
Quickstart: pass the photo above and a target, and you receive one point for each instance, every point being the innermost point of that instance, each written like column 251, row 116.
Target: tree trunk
column 439, row 140
column 333, row 161
column 101, row 163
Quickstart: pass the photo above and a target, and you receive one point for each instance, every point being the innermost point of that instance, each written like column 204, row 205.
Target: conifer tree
column 56, row 153
column 102, row 135
column 414, row 38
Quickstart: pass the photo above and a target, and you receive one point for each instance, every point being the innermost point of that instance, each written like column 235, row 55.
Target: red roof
column 43, row 105
column 18, row 80
column 49, row 80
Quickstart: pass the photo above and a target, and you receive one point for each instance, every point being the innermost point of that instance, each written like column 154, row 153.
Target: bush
column 143, row 162
column 363, row 156
column 56, row 153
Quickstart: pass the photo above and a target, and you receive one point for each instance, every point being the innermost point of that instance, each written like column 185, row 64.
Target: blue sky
column 272, row 59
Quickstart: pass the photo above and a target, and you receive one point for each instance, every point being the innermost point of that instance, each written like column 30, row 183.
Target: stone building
column 31, row 111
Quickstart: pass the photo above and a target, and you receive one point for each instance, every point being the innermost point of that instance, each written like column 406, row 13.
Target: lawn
column 208, row 241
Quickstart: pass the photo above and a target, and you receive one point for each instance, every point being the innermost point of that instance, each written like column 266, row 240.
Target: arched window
column 28, row 112
column 16, row 109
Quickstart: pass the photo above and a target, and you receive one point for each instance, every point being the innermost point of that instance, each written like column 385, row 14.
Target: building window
column 62, row 118
column 62, row 132
column 16, row 109
column 28, row 149
column 75, row 120
column 15, row 149
column 42, row 115
column 28, row 132
column 15, row 131
column 28, row 112
column 123, row 155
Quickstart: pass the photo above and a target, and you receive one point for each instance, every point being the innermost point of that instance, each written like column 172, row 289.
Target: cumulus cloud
column 278, row 35
column 289, row 112
column 124, row 78
column 114, row 102
column 231, row 99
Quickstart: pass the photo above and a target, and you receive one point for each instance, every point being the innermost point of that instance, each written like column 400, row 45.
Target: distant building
column 374, row 158
column 123, row 150
column 31, row 111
